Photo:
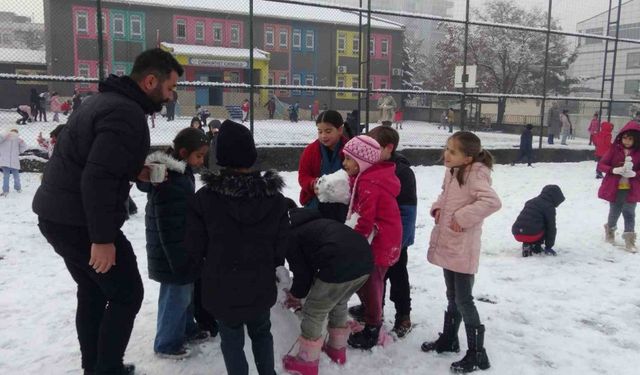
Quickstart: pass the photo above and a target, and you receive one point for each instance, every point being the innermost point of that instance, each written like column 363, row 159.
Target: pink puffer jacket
column 469, row 204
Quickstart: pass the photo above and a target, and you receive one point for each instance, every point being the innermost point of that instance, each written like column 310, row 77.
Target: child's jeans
column 175, row 317
column 460, row 297
column 621, row 206
column 7, row 172
column 232, row 345
column 327, row 298
column 371, row 295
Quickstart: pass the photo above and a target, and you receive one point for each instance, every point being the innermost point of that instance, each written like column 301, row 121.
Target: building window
column 136, row 26
column 309, row 81
column 284, row 42
column 295, row 80
column 384, row 47
column 82, row 22
column 104, row 24
column 596, row 31
column 342, row 39
column 118, row 25
column 296, row 39
column 632, row 87
column 310, row 40
column 283, row 81
column 271, row 81
column 83, row 70
column 181, row 29
column 383, row 84
column 340, row 83
column 372, row 46
column 355, row 46
column 235, row 35
column 633, row 60
column 199, row 31
column 355, row 83
column 268, row 36
column 217, row 33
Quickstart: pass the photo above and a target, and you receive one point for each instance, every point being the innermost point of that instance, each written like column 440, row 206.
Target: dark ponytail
column 190, row 139
column 470, row 145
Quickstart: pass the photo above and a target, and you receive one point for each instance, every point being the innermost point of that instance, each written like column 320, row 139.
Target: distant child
column 567, row 127
column 536, row 223
column 245, row 110
column 374, row 213
column 49, row 144
column 602, row 141
column 202, row 113
column 11, row 146
column 237, row 229
column 25, row 112
column 165, row 222
column 212, row 136
column 444, row 120
column 526, row 146
column 65, row 107
column 594, row 127
column 407, row 202
column 398, row 117
column 56, row 106
column 466, row 200
column 323, row 157
column 196, row 123
column 621, row 186
column 330, row 262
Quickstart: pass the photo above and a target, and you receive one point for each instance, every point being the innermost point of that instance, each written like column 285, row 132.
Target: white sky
column 568, row 11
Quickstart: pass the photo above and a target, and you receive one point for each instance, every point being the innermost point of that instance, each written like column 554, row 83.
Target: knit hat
column 235, row 147
column 364, row 150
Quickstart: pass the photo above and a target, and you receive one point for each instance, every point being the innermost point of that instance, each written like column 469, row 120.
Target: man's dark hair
column 157, row 62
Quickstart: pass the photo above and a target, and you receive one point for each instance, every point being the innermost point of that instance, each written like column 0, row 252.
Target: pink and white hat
column 364, row 150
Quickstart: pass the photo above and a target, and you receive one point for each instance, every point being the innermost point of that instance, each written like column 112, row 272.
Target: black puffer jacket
column 101, row 149
column 326, row 249
column 539, row 214
column 237, row 227
column 407, row 196
column 165, row 221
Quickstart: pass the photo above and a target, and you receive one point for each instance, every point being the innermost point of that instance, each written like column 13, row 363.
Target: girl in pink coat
column 374, row 213
column 466, row 200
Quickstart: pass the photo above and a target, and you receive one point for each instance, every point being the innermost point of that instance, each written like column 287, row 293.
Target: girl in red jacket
column 602, row 141
column 374, row 213
column 322, row 157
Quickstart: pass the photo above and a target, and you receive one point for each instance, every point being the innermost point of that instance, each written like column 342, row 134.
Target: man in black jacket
column 537, row 222
column 81, row 204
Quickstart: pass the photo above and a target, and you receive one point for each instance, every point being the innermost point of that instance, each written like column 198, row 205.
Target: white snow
column 22, row 56
column 236, row 53
column 577, row 313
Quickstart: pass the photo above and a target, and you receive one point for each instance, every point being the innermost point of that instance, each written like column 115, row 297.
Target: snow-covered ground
column 270, row 133
column 577, row 313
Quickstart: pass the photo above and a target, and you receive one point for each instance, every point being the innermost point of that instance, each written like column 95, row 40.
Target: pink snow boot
column 336, row 346
column 307, row 359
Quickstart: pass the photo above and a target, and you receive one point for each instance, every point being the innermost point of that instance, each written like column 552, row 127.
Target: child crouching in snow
column 621, row 186
column 374, row 213
column 466, row 200
column 330, row 262
column 536, row 223
column 168, row 263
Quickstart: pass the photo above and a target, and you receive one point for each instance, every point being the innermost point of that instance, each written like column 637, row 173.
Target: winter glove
column 628, row 173
column 292, row 302
column 282, row 275
column 549, row 251
column 618, row 170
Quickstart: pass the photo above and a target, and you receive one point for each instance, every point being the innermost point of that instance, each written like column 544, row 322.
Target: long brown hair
column 470, row 145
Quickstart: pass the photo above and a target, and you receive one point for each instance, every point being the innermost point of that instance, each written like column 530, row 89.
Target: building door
column 202, row 93
column 215, row 93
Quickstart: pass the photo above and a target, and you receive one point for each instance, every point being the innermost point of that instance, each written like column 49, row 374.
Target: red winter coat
column 594, row 126
column 615, row 158
column 602, row 139
column 374, row 206
column 309, row 169
column 245, row 107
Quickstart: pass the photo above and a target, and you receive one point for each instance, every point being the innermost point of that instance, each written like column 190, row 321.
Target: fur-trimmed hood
column 238, row 185
column 161, row 157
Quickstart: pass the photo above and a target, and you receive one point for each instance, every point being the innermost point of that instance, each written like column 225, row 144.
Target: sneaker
column 18, row 191
column 198, row 338
column 181, row 353
column 402, row 326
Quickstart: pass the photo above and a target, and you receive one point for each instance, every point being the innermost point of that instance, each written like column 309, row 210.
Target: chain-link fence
column 428, row 67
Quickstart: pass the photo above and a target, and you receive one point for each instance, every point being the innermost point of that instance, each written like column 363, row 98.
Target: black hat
column 235, row 147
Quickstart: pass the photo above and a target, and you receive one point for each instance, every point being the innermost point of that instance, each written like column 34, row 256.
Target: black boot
column 127, row 369
column 448, row 340
column 526, row 250
column 476, row 357
column 365, row 339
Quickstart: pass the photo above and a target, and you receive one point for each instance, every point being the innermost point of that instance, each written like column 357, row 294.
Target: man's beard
column 156, row 98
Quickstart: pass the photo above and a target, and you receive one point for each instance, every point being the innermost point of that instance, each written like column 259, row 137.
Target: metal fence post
column 368, row 75
column 465, row 78
column 544, row 74
column 100, row 40
column 251, row 83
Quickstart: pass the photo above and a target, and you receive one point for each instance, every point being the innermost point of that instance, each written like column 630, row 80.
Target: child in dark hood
column 526, row 146
column 536, row 223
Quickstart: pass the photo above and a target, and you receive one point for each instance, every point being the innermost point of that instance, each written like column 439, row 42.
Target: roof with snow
column 265, row 8
column 198, row 50
column 22, row 56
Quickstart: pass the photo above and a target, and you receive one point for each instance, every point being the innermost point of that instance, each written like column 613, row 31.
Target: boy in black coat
column 536, row 223
column 237, row 227
column 330, row 262
column 526, row 146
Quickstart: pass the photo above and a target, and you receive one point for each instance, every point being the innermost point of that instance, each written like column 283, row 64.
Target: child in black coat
column 536, row 223
column 526, row 146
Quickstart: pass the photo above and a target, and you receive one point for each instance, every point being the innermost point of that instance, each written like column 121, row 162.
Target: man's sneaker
column 181, row 353
column 402, row 326
column 198, row 338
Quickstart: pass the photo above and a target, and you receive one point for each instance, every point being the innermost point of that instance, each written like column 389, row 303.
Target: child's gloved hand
column 292, row 302
column 550, row 251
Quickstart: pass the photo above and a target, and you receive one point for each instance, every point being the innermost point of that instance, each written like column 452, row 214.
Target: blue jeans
column 175, row 317
column 621, row 206
column 232, row 345
column 6, row 171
